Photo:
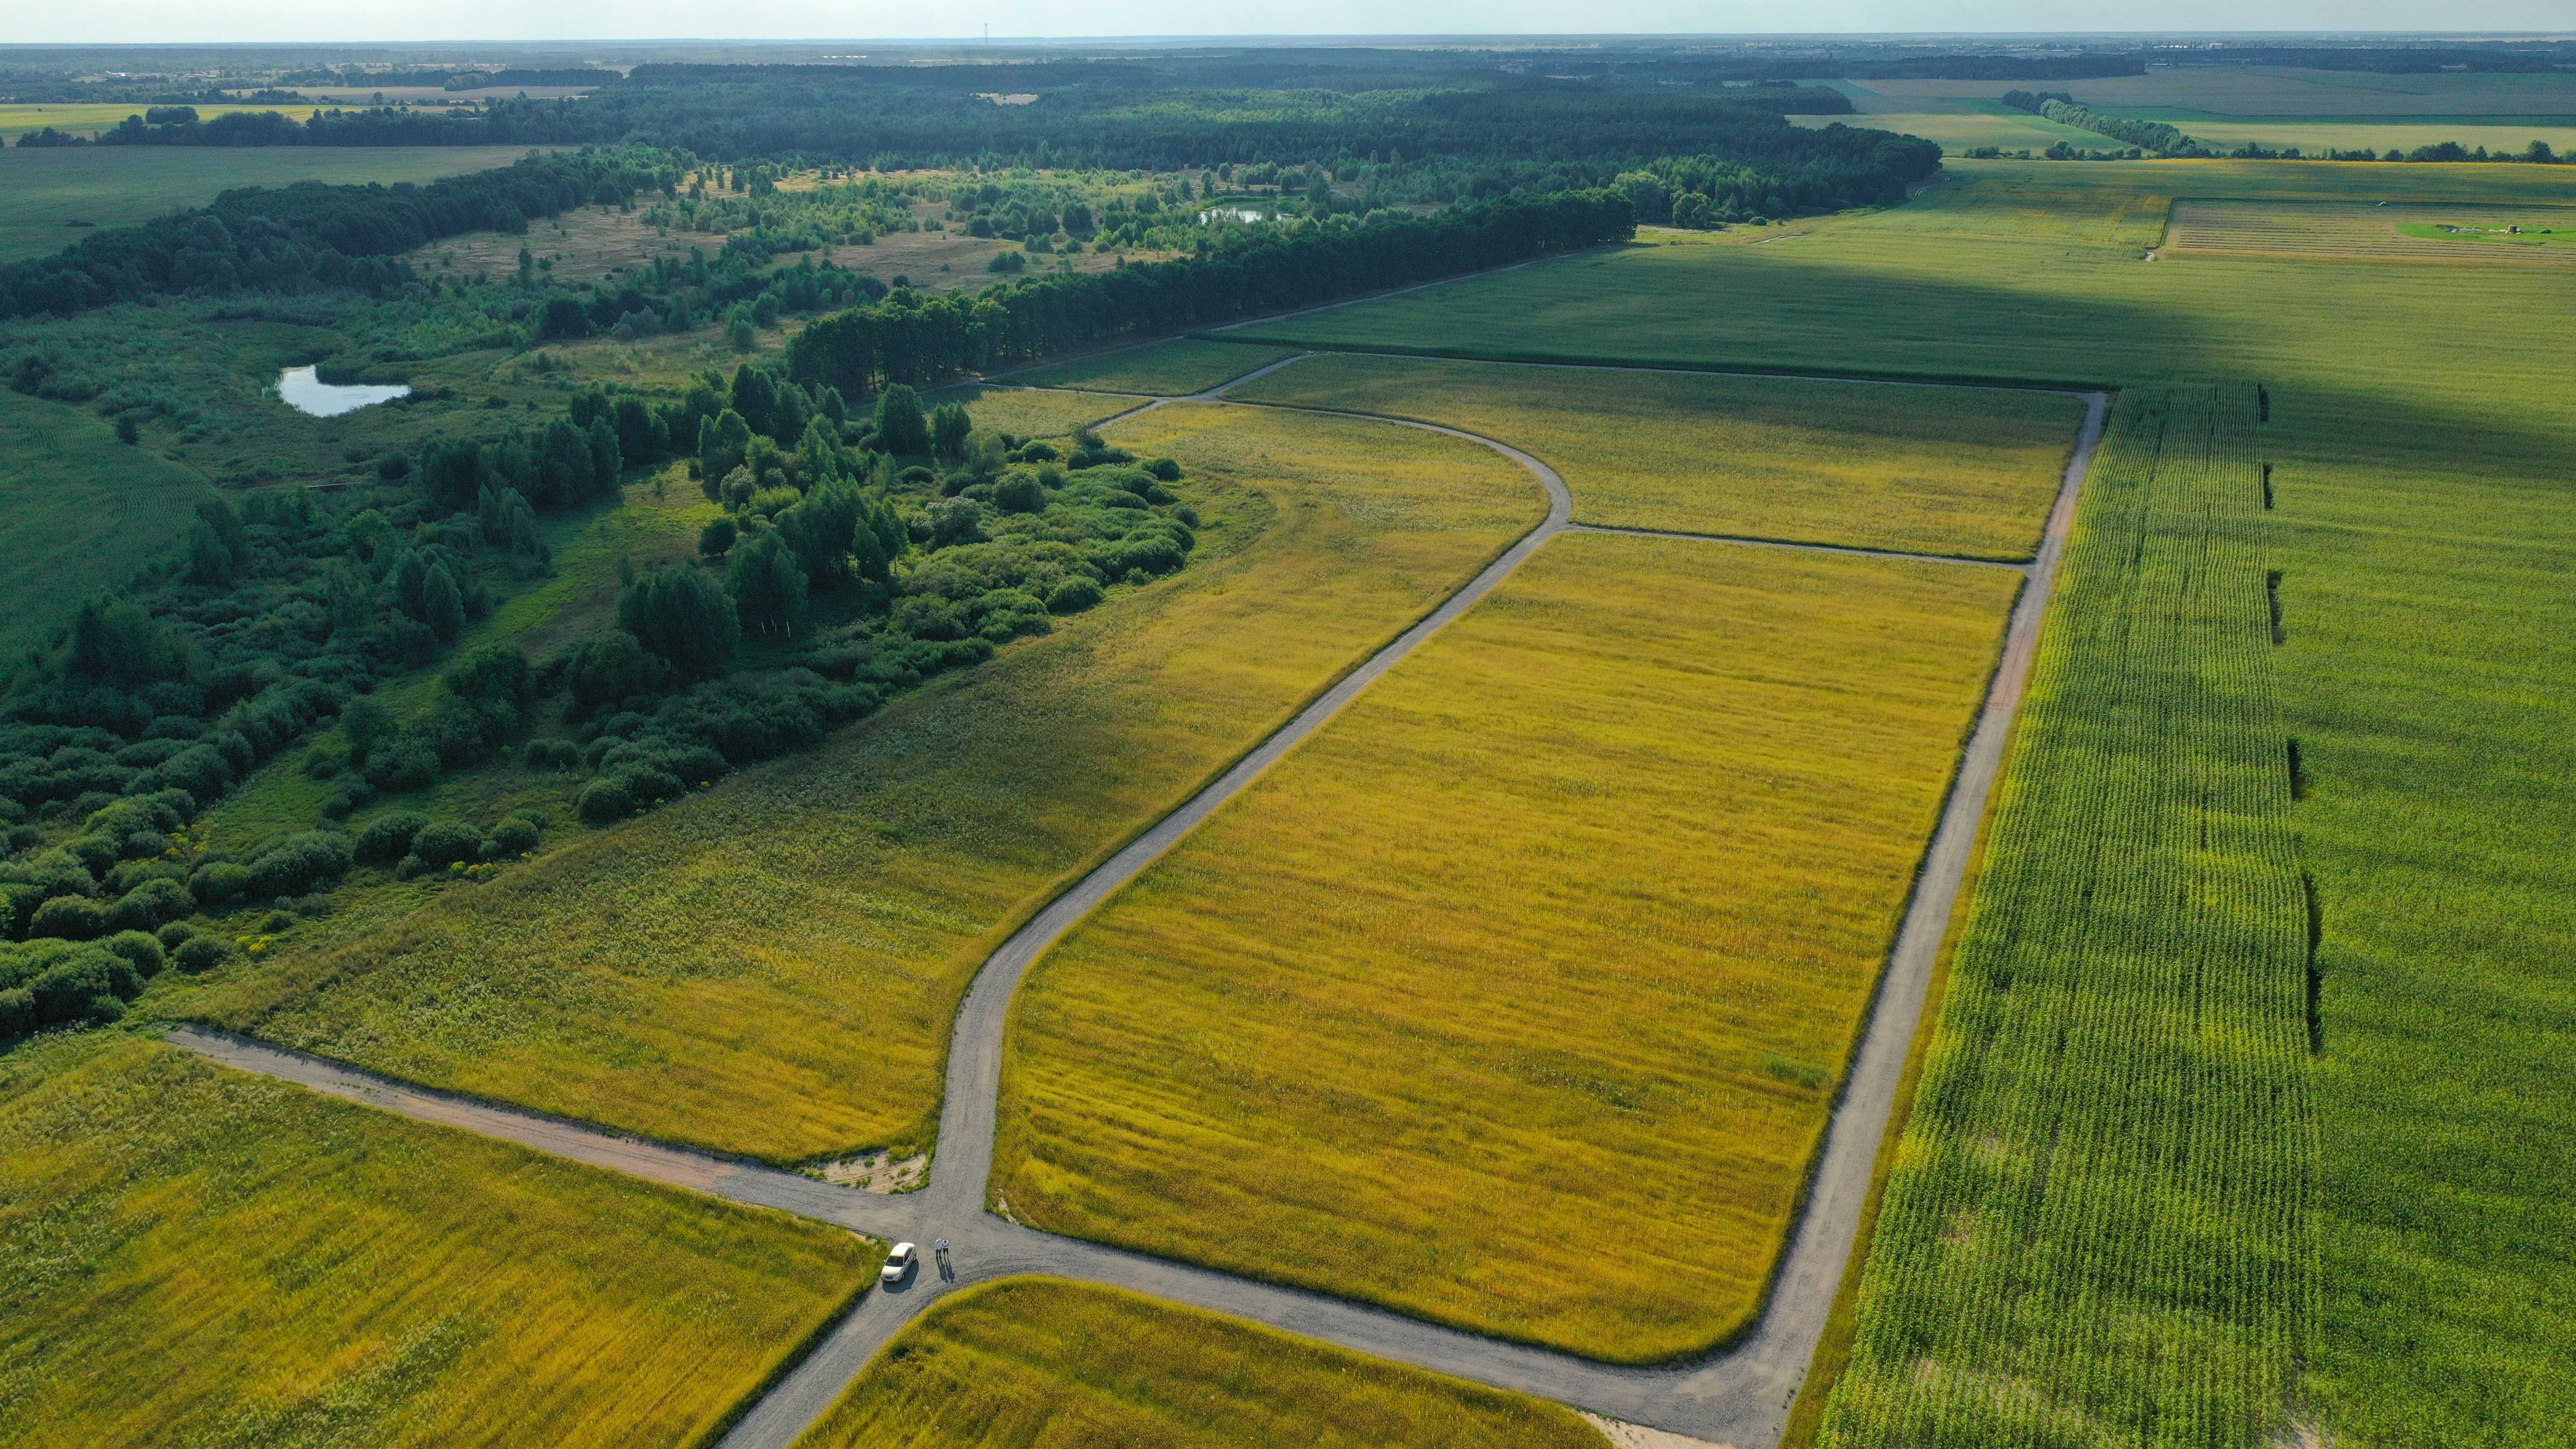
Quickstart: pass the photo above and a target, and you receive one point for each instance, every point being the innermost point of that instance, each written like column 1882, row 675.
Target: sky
column 131, row 21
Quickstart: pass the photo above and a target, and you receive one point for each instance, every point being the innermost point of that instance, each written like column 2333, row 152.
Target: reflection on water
column 1228, row 213
column 307, row 393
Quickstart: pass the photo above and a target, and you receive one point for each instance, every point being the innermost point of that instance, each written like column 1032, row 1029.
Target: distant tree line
column 2156, row 136
column 291, row 237
column 910, row 339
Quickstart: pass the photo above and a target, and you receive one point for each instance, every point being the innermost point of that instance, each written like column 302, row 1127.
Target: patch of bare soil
column 1638, row 1436
column 877, row 1172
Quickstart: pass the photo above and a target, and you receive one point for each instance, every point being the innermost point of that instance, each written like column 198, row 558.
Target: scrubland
column 1518, row 997
column 1961, row 471
column 198, row 1257
column 770, row 967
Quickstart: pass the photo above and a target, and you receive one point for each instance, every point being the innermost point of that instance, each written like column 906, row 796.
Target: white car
column 899, row 1264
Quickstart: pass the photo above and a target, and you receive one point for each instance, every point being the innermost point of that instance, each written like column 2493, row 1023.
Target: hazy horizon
column 312, row 22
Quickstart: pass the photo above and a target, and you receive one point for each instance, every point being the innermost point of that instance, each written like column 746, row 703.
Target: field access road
column 1739, row 1397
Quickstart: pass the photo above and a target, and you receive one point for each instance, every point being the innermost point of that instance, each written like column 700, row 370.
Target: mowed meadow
column 1518, row 997
column 1040, row 1361
column 2420, row 438
column 1968, row 472
column 771, row 967
column 202, row 1258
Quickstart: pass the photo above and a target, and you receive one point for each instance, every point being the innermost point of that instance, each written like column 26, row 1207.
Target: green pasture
column 2421, row 436
column 101, row 508
column 1165, row 369
column 46, row 191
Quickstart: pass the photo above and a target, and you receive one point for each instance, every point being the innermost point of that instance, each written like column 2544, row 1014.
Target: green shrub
column 218, row 884
column 71, row 918
column 1073, row 595
column 299, row 863
column 387, row 838
column 200, row 954
column 515, row 835
column 151, row 905
column 143, row 952
column 445, row 843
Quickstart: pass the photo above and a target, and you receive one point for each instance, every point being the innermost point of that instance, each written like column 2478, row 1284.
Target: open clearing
column 2472, row 235
column 1040, row 1361
column 200, row 1257
column 1165, row 369
column 2425, row 541
column 102, row 508
column 44, row 190
column 771, row 967
column 1029, row 412
column 1959, row 471
column 1518, row 997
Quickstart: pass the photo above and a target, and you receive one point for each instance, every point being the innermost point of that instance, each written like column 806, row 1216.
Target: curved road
column 1739, row 1397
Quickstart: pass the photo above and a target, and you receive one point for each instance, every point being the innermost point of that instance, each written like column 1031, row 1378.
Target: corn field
column 2099, row 1228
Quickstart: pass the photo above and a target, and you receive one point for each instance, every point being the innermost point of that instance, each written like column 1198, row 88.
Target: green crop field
column 770, row 967
column 2420, row 435
column 2113, row 1146
column 198, row 1257
column 1959, row 471
column 1038, row 1361
column 1592, row 890
column 2471, row 235
column 44, row 191
column 1166, row 369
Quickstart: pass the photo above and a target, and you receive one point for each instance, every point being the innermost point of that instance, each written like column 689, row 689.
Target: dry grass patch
column 199, row 1257
column 1941, row 470
column 771, row 967
column 1517, row 998
column 1039, row 1361
column 1166, row 369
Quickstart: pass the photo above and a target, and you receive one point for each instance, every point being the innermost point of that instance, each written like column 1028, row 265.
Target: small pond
column 307, row 393
column 1228, row 213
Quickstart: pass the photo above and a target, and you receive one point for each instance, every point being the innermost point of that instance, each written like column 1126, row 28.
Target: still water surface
column 306, row 393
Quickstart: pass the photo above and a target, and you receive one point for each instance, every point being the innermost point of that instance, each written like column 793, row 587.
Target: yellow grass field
column 771, row 967
column 1166, row 369
column 1958, row 471
column 1518, row 998
column 203, row 1258
column 1042, row 1362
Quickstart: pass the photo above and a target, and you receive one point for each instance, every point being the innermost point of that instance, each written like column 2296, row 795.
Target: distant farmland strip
column 2372, row 232
column 2099, row 1227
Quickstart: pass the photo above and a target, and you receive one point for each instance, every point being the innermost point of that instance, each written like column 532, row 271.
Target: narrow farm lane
column 1738, row 1397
